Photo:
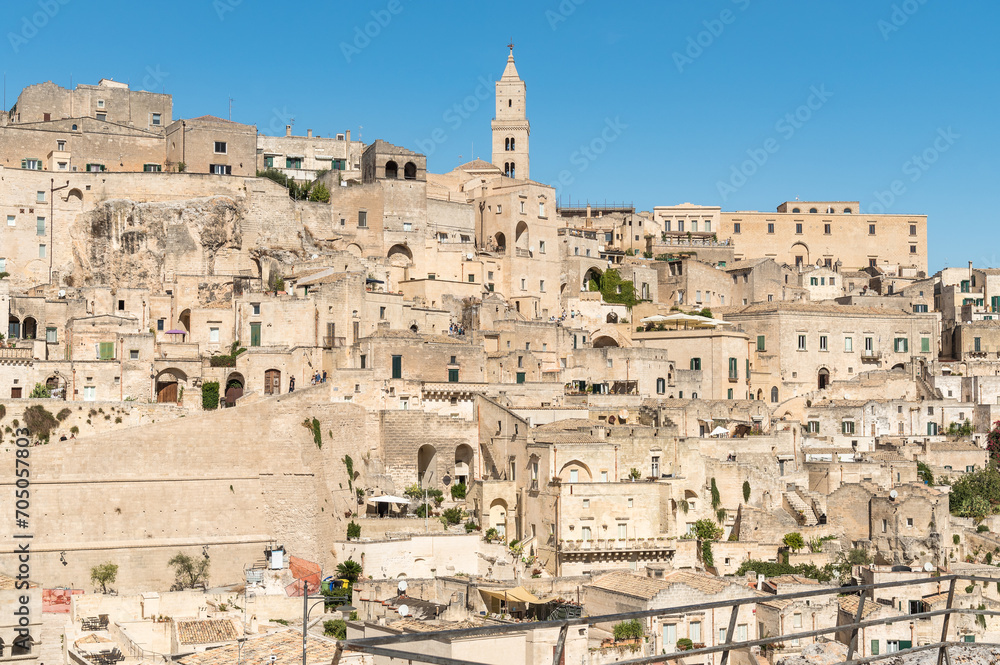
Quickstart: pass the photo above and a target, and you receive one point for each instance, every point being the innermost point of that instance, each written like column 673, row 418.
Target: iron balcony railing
column 389, row 646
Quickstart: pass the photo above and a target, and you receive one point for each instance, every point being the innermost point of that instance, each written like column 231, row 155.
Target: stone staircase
column 800, row 506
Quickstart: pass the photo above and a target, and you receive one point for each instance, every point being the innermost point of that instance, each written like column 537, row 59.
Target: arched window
column 512, row 143
column 694, row 395
column 774, row 394
column 512, row 170
column 506, row 144
column 410, row 171
column 391, row 170
column 812, row 210
column 848, row 211
column 796, row 210
column 661, row 386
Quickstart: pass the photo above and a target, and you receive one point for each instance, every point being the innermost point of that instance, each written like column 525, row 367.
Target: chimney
column 309, row 133
column 348, row 135
column 288, row 130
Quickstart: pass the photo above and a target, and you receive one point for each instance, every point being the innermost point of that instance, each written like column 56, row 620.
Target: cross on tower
column 511, row 45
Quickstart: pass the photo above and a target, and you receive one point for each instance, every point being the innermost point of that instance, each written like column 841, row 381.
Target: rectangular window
column 913, row 229
column 798, row 228
column 733, row 369
column 102, row 117
column 221, row 169
column 41, row 251
column 694, row 632
column 847, row 427
column 50, row 335
column 156, row 120
column 736, row 227
column 900, row 345
column 453, row 376
column 875, row 644
column 849, row 344
column 541, row 210
column 269, row 161
column 519, row 377
column 622, row 531
column 541, row 246
column 770, row 227
column 812, row 427
column 293, row 162
column 364, row 361
column 160, row 324
column 40, row 226
column 925, row 345
column 152, row 168
column 213, row 335
column 106, row 351
column 604, row 476
column 822, row 343
column 760, row 342
column 397, row 367
column 220, row 147
column 696, row 364
column 826, row 229
column 133, row 354
column 11, row 220
column 722, row 636
column 31, row 164
column 362, row 219
column 977, row 344
column 89, row 393
column 574, row 475
column 871, row 229
column 729, row 394
column 40, row 197
column 802, row 342
column 255, row 334
column 670, row 637
column 541, row 285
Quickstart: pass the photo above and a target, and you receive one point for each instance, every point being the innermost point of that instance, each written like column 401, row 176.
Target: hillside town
column 252, row 372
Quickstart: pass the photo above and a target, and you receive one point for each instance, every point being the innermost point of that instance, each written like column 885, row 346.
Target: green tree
column 746, row 491
column 353, row 530
column 846, row 562
column 210, row 395
column 189, row 571
column 458, row 491
column 349, row 570
column 993, row 442
column 925, row 473
column 794, row 541
column 627, row 630
column 40, row 391
column 707, row 532
column 716, row 497
column 452, row 516
column 104, row 574
column 319, row 193
column 976, row 494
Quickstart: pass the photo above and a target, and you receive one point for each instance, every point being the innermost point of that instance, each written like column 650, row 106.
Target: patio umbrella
column 656, row 318
column 719, row 431
column 388, row 498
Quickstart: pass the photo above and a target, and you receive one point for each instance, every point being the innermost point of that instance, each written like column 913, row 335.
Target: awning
column 515, row 595
column 720, row 431
column 388, row 498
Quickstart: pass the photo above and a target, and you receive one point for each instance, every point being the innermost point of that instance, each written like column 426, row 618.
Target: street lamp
column 306, row 609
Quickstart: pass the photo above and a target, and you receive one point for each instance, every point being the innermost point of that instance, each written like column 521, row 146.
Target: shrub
column 423, row 510
column 188, row 571
column 317, row 434
column 684, row 644
column 956, row 539
column 491, row 535
column 319, row 193
column 104, row 574
column 452, row 515
column 40, row 391
column 746, row 491
column 210, row 395
column 353, row 530
column 634, row 473
column 794, row 541
column 348, row 464
column 40, row 421
column 982, row 528
column 627, row 630
column 74, row 430
column 335, row 628
column 349, row 570
column 716, row 497
column 63, row 415
column 458, row 491
column 470, row 526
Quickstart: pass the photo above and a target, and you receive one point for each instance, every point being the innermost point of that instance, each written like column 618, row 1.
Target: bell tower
column 510, row 125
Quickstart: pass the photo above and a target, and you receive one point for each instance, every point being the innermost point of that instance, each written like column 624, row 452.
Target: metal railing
column 388, row 646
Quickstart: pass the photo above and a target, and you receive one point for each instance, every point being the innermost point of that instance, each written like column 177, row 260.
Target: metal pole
column 943, row 651
column 305, row 617
column 854, row 631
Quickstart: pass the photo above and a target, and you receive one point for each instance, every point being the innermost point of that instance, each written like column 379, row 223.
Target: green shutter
column 107, row 351
column 874, row 647
column 760, row 342
column 254, row 334
column 520, row 377
column 397, row 367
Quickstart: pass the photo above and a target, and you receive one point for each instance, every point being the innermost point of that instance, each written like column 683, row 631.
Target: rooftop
column 285, row 646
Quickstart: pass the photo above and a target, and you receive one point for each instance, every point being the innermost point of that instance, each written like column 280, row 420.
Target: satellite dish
column 928, row 567
column 401, row 586
column 532, row 249
column 469, row 256
column 446, row 480
column 62, row 293
column 893, row 494
column 403, row 610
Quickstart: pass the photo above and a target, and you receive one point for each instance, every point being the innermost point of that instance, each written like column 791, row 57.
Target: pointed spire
column 510, row 71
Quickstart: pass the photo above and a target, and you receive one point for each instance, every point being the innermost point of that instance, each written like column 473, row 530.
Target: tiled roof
column 699, row 581
column 953, row 445
column 416, row 626
column 628, row 584
column 779, row 306
column 206, row 631
column 792, row 579
column 849, row 604
column 285, row 646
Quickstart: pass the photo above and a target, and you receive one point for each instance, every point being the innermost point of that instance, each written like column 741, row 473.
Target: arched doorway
column 272, row 382
column 391, row 170
column 410, row 171
column 235, row 386
column 498, row 517
column 426, row 465
column 760, row 394
column 521, row 237
column 592, row 275
column 604, row 342
column 801, row 253
column 169, row 383
column 823, row 378
column 29, row 328
column 463, row 464
column 185, row 320
column 500, row 242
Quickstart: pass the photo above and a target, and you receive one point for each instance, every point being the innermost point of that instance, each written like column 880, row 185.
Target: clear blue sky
column 897, row 79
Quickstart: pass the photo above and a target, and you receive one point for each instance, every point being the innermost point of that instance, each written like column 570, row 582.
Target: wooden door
column 166, row 392
column 15, row 393
column 272, row 382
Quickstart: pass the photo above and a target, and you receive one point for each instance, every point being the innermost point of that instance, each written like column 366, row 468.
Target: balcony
column 522, row 253
column 871, row 356
column 8, row 353
column 334, row 342
column 611, row 545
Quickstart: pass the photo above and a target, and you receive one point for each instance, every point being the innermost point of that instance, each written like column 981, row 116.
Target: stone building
column 211, row 145
column 510, row 125
column 304, row 157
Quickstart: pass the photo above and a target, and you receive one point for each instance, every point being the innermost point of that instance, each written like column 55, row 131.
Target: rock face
column 123, row 242
column 831, row 653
